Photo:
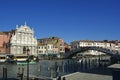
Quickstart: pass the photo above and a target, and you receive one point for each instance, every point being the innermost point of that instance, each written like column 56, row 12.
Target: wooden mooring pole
column 4, row 73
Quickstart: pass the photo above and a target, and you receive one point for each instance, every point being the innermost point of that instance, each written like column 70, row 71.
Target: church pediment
column 25, row 29
column 23, row 34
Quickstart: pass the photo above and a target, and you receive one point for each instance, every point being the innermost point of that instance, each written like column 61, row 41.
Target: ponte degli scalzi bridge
column 107, row 51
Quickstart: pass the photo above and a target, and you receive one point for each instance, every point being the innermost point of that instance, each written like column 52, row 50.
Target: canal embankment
column 93, row 74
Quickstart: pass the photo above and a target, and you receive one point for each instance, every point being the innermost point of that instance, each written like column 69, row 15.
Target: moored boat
column 2, row 58
column 24, row 63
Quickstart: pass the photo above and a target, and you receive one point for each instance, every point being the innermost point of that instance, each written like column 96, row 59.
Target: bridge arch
column 107, row 51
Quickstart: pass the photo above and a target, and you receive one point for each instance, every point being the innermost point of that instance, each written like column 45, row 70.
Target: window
column 51, row 47
column 48, row 47
column 60, row 44
column 45, row 47
column 60, row 49
column 38, row 47
column 40, row 51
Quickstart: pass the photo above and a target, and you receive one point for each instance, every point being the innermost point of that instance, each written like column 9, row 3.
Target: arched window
column 24, row 50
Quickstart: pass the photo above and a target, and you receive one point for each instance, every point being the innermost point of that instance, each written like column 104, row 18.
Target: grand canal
column 54, row 68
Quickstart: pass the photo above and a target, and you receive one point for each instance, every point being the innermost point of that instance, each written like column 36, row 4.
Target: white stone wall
column 23, row 37
column 87, row 44
column 97, row 44
column 77, row 44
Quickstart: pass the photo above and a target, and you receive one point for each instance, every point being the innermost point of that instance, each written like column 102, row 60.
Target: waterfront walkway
column 95, row 74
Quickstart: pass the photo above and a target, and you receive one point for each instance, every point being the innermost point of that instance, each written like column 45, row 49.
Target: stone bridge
column 107, row 51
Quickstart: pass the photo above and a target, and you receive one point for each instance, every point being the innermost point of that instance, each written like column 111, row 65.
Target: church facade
column 23, row 40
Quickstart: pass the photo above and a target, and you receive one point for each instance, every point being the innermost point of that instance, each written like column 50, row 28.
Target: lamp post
column 28, row 50
column 99, row 60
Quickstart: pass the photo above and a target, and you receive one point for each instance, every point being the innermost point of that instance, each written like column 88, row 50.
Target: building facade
column 22, row 40
column 52, row 45
column 4, row 42
column 67, row 47
column 88, row 43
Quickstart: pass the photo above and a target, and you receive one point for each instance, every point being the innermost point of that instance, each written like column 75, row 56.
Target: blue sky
column 68, row 19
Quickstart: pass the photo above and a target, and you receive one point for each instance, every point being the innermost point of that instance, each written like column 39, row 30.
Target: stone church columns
column 11, row 49
column 23, row 37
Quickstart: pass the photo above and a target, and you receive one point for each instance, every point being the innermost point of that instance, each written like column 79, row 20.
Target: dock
column 85, row 76
column 93, row 74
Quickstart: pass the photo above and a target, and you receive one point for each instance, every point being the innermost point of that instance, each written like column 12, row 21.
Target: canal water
column 54, row 68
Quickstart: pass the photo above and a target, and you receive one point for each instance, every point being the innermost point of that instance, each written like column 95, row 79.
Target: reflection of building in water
column 22, row 39
column 86, row 43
